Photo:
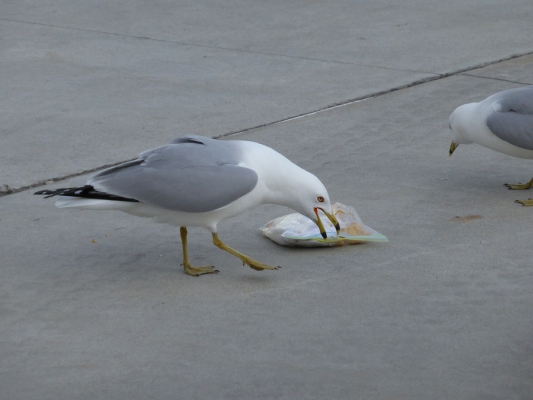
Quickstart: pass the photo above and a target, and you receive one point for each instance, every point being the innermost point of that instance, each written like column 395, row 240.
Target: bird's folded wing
column 187, row 177
column 513, row 128
column 513, row 120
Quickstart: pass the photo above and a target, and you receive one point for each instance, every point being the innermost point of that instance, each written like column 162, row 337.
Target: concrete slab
column 76, row 100
column 412, row 35
column 95, row 306
column 441, row 311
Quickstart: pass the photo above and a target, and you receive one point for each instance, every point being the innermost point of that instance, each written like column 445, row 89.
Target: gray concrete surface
column 442, row 311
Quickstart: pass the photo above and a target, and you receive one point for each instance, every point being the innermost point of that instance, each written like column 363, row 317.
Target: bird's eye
column 320, row 199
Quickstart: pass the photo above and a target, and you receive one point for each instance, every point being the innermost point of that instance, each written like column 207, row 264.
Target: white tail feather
column 90, row 204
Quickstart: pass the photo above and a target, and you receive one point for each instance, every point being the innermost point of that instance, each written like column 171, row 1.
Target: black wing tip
column 87, row 192
column 56, row 192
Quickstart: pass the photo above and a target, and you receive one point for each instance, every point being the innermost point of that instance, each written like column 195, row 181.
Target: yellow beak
column 453, row 146
column 321, row 226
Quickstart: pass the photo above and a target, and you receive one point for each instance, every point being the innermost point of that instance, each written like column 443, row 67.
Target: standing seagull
column 196, row 181
column 502, row 122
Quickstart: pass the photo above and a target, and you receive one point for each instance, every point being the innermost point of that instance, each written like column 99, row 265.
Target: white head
column 286, row 184
column 306, row 194
column 459, row 125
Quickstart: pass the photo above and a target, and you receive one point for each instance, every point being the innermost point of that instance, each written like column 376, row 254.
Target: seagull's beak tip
column 453, row 146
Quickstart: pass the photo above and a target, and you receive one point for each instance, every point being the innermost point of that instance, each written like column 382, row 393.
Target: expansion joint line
column 419, row 82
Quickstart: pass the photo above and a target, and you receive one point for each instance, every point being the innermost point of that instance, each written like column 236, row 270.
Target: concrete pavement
column 441, row 311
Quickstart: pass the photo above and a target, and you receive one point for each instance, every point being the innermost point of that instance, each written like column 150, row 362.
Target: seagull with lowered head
column 197, row 181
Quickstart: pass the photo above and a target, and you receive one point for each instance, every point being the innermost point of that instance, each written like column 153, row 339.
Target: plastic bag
column 299, row 231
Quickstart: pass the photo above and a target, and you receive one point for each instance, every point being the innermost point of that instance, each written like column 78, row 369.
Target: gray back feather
column 191, row 174
column 514, row 122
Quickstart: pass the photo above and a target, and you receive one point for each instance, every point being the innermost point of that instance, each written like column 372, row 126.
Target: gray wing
column 191, row 174
column 513, row 123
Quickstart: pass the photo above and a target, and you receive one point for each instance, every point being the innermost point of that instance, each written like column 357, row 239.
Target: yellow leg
column 189, row 269
column 254, row 264
column 520, row 186
column 526, row 203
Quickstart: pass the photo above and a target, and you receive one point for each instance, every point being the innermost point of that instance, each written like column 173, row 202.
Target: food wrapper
column 299, row 231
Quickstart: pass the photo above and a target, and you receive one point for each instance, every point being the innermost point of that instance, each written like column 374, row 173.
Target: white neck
column 281, row 184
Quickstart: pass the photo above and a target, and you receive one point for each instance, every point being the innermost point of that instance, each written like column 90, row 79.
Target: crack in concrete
column 394, row 89
column 6, row 189
column 496, row 79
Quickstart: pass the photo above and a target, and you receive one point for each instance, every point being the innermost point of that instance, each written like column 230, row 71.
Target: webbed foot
column 197, row 271
column 525, row 203
column 520, row 186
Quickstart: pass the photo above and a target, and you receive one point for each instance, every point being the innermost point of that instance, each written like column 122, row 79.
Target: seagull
column 197, row 181
column 502, row 122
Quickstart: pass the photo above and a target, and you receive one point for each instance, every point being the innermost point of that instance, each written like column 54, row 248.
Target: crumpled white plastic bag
column 299, row 231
